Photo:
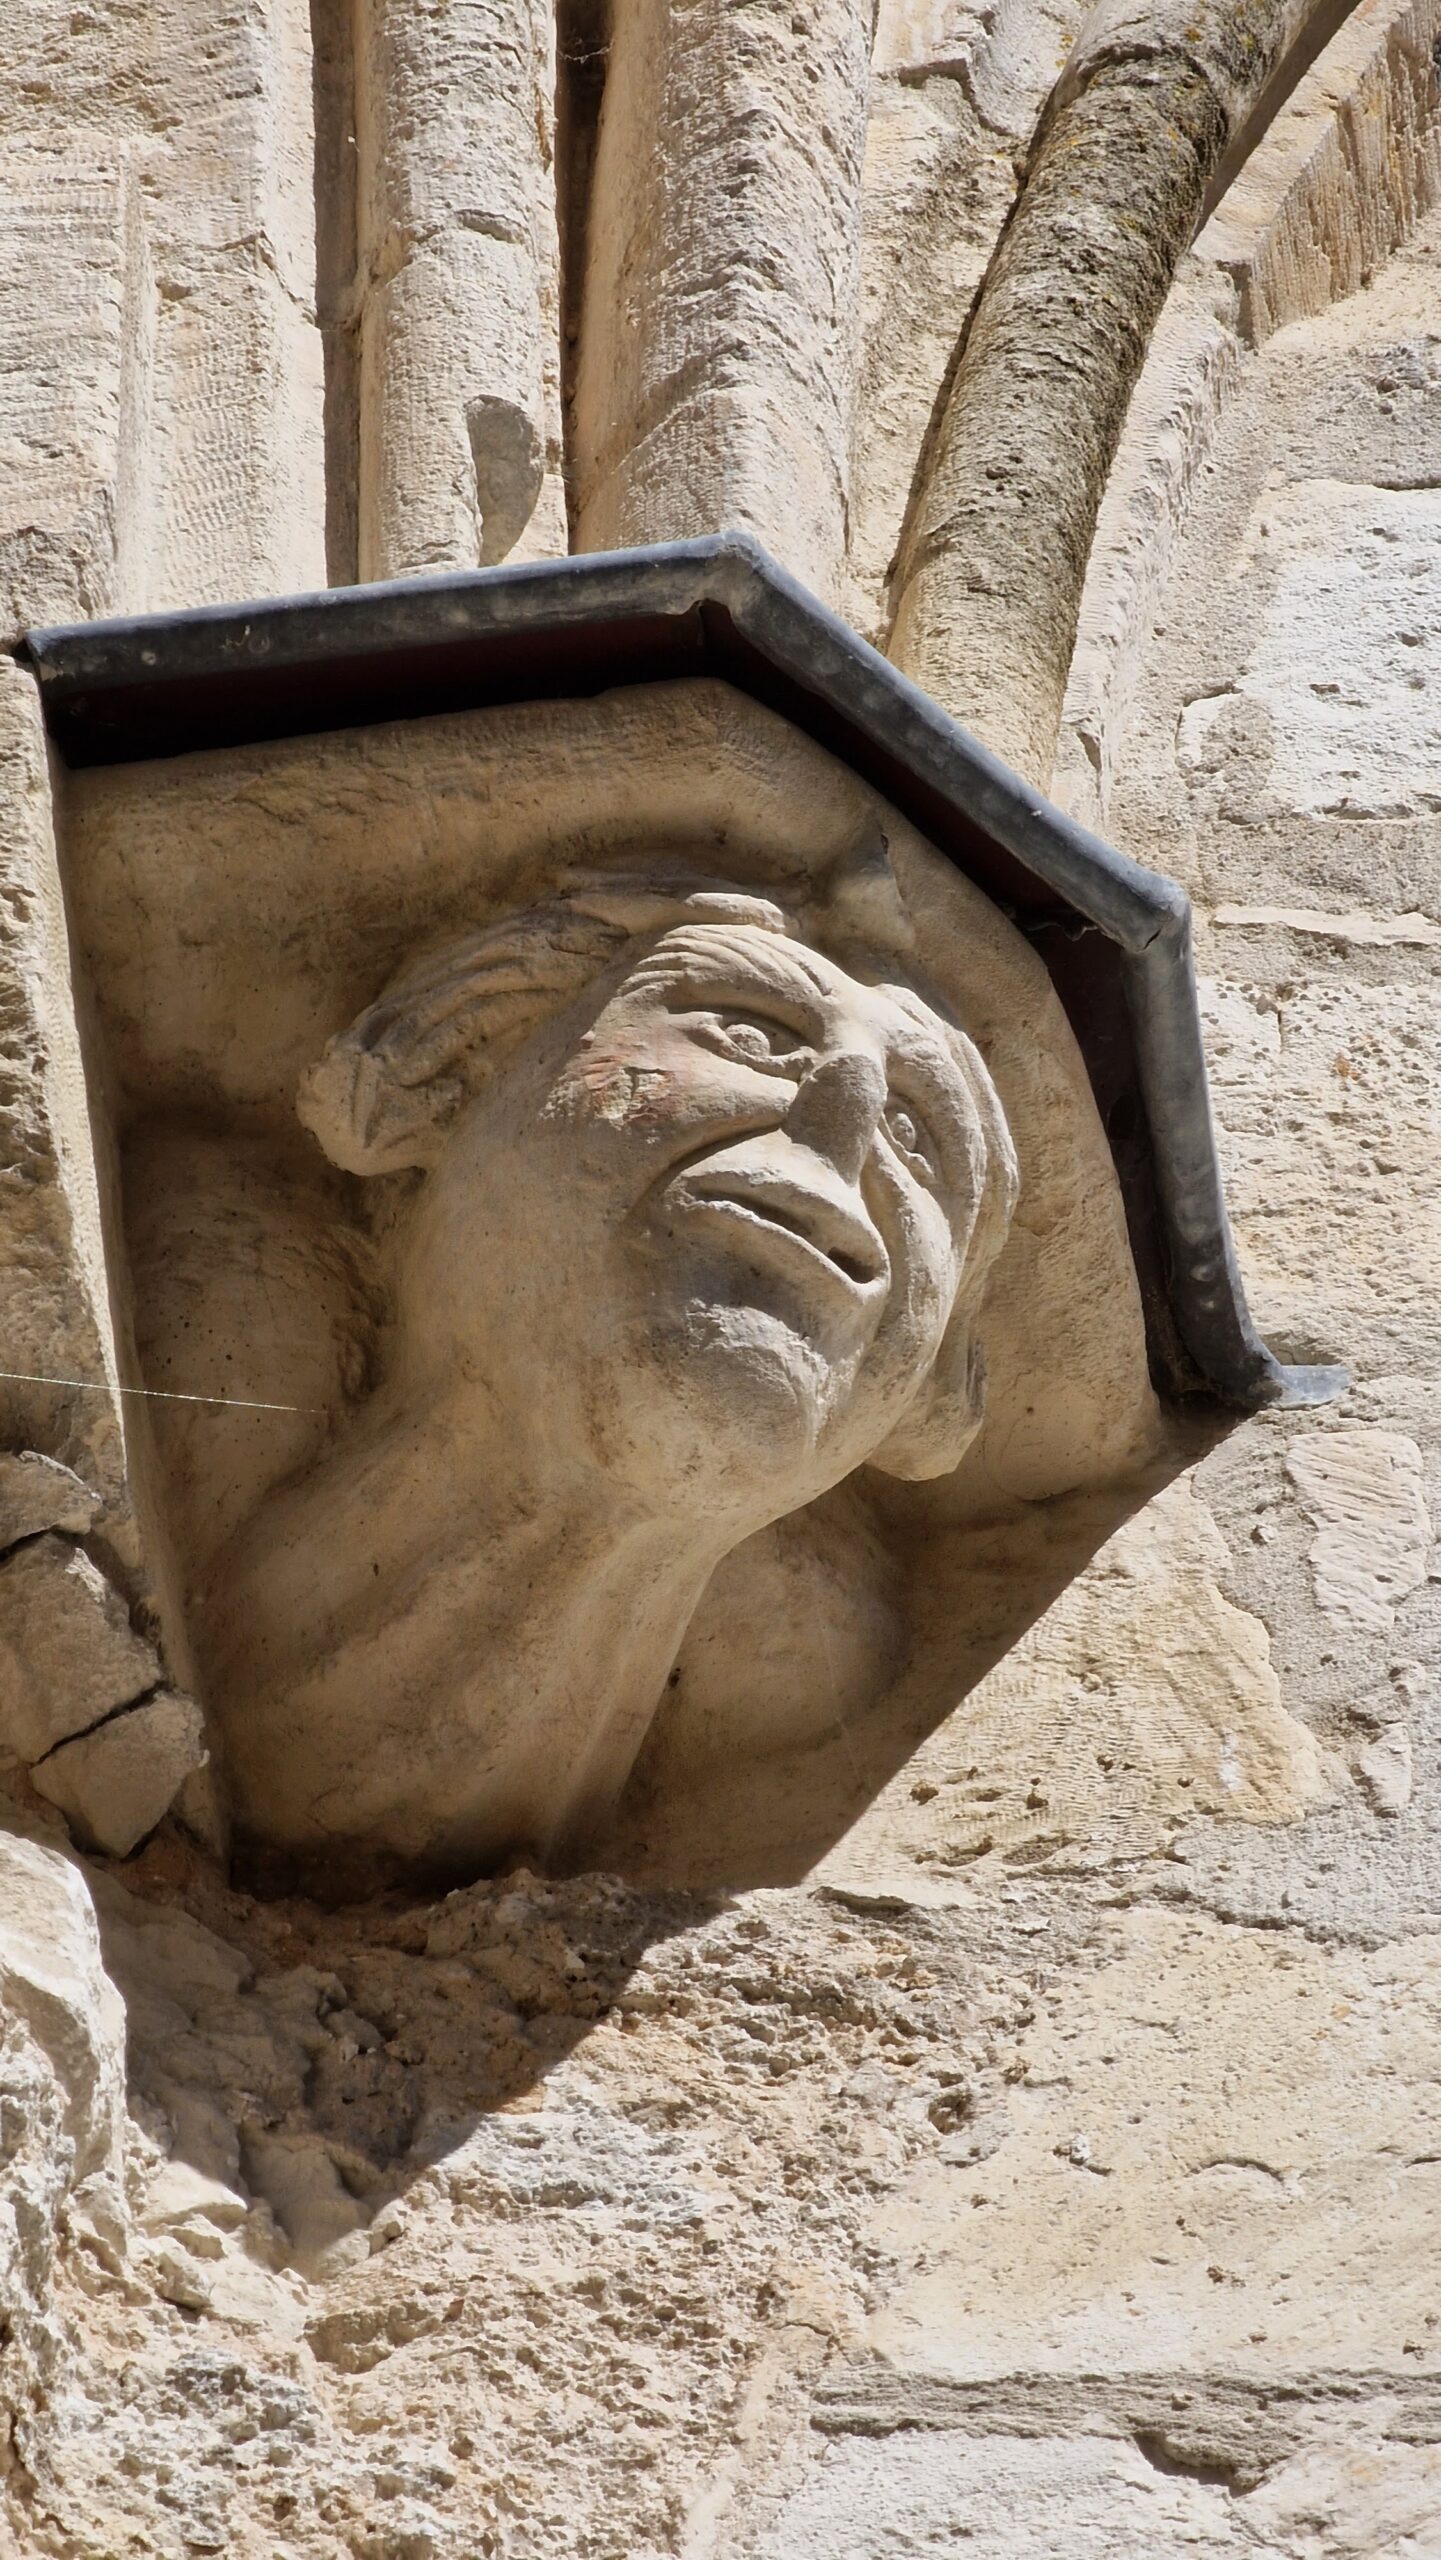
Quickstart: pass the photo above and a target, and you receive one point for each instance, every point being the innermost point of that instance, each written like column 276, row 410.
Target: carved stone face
column 708, row 1228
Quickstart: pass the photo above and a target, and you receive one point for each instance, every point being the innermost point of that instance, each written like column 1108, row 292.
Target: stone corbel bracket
column 1116, row 938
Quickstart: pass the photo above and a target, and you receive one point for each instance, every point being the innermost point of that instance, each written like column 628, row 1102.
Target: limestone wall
column 1053, row 2169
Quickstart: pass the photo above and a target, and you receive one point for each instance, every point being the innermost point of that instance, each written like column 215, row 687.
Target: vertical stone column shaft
column 161, row 359
column 717, row 366
column 459, row 284
column 55, row 1321
column 236, row 474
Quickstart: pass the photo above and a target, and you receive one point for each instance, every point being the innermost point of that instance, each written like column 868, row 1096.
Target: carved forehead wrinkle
column 758, row 952
column 916, row 1036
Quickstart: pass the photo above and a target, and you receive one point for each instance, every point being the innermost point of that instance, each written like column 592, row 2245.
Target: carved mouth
column 856, row 1261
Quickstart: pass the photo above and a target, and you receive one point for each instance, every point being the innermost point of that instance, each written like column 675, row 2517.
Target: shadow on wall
column 298, row 2070
column 1032, row 1697
column 459, row 1211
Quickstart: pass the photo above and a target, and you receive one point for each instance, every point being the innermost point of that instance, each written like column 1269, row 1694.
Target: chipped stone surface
column 1419, row 932
column 53, row 1979
column 114, row 1783
column 1385, row 1770
column 993, row 2497
column 62, row 2109
column 1054, row 2169
column 1207, row 2130
column 38, row 1493
column 68, row 1652
column 1365, row 1492
column 1348, row 735
column 1172, row 1708
column 1327, row 1097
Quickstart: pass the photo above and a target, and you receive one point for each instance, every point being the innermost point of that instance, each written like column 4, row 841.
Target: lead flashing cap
column 1115, row 937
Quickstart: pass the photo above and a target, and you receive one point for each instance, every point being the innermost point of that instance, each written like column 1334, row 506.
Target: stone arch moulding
column 429, row 940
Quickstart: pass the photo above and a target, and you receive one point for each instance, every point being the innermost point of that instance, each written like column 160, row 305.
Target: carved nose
column 837, row 1108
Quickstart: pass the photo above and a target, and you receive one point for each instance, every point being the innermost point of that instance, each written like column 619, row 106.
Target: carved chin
column 740, row 1410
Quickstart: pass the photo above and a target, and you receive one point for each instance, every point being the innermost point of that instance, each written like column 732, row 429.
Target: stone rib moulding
column 1115, row 937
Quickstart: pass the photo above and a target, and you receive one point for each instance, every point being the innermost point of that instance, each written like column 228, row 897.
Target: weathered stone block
column 114, row 1784
column 68, row 1653
column 51, row 1976
column 38, row 1493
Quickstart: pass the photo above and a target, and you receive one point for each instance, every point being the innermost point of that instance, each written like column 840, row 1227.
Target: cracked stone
column 114, row 1784
column 68, row 1653
column 38, row 1493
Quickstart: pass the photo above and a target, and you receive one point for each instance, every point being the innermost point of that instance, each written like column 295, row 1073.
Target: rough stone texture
column 1172, row 1708
column 458, row 287
column 1319, row 877
column 955, row 92
column 62, row 2122
column 68, row 1653
column 717, row 361
column 38, row 1493
column 114, row 1783
column 56, row 1302
column 1365, row 1492
column 164, row 163
column 991, row 564
column 1350, row 165
column 1339, row 180
column 70, row 363
column 1051, row 2169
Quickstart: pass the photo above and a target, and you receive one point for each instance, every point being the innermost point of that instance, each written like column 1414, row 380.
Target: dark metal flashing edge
column 141, row 659
column 695, row 590
column 1206, row 1287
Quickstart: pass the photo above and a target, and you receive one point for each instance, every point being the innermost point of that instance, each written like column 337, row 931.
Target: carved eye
column 752, row 1040
column 911, row 1140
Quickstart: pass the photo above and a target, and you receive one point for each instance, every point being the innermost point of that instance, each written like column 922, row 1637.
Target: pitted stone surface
column 68, row 1652
column 1051, row 2165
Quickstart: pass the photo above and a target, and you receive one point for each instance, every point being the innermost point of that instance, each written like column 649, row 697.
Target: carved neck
column 472, row 1664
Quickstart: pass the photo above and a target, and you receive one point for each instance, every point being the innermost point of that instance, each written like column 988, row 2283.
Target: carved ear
column 943, row 1418
column 366, row 1120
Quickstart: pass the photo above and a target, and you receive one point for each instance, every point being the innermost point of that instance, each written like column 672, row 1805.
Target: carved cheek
column 622, row 1090
column 926, row 1258
column 651, row 1085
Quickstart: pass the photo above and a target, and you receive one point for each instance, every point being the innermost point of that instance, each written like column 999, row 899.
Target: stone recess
column 1053, row 2168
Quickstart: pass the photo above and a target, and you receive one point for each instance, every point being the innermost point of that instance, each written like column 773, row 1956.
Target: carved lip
column 843, row 1246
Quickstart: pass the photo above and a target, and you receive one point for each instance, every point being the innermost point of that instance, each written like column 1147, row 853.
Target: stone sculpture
column 705, row 1218
column 487, row 1515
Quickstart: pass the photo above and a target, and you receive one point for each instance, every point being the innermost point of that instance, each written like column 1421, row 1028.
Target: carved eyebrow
column 733, row 963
